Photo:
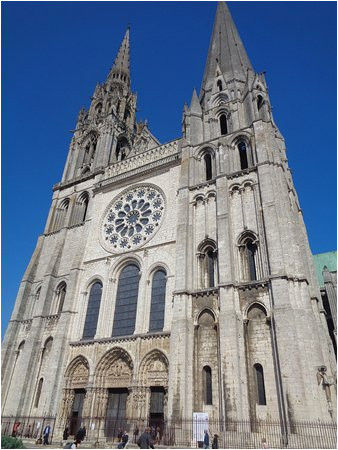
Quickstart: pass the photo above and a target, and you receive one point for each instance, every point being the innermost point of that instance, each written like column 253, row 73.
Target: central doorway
column 116, row 411
column 76, row 415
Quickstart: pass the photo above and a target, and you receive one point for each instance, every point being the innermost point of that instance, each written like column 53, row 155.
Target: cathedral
column 173, row 279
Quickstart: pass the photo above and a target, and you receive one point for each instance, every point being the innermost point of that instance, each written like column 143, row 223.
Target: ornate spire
column 121, row 67
column 226, row 49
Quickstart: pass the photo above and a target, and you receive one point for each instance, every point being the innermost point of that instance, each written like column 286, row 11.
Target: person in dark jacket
column 81, row 434
column 206, row 439
column 215, row 441
column 124, row 440
column 145, row 441
column 65, row 434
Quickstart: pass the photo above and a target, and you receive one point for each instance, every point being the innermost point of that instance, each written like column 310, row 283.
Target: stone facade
column 242, row 332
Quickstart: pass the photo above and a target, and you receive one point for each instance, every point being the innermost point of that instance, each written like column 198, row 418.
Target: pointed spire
column 226, row 49
column 121, row 67
column 195, row 106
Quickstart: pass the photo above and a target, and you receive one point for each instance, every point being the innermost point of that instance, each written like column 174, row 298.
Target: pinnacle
column 121, row 67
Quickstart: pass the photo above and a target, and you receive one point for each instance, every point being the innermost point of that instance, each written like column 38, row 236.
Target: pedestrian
column 65, row 434
column 145, row 441
column 136, row 432
column 46, row 433
column 15, row 430
column 119, row 435
column 206, row 439
column 81, row 434
column 215, row 441
column 158, row 434
column 124, row 440
column 264, row 443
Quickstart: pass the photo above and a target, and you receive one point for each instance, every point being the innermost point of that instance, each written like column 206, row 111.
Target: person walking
column 124, row 440
column 145, row 440
column 215, row 441
column 46, row 433
column 206, row 439
column 136, row 432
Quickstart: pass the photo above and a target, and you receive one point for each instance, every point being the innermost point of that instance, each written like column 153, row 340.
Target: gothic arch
column 123, row 262
column 200, row 314
column 255, row 305
column 115, row 369
column 157, row 266
column 154, row 369
column 77, row 373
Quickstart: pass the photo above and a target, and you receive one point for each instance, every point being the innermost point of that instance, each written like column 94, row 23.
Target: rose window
column 133, row 218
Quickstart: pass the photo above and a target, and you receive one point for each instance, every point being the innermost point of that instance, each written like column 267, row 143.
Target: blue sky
column 54, row 53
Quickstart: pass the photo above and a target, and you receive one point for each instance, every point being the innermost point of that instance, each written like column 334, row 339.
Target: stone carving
column 118, row 374
column 324, row 381
column 80, row 375
column 155, row 371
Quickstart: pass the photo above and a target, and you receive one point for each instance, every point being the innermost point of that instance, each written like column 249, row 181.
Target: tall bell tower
column 248, row 339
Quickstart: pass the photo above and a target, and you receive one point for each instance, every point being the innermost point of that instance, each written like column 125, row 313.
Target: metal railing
column 183, row 433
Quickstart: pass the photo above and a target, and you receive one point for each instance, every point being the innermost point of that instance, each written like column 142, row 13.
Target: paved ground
column 30, row 443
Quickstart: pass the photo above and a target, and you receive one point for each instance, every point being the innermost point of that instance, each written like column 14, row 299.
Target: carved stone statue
column 323, row 380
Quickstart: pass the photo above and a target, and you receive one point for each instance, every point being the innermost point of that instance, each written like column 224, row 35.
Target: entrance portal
column 116, row 411
column 76, row 416
column 156, row 416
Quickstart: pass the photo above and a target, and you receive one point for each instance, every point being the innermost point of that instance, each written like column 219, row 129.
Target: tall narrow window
column 261, row 400
column 83, row 206
column 210, row 263
column 157, row 301
column 248, row 248
column 208, row 166
column 259, row 102
column 38, row 393
column 93, row 310
column 207, row 382
column 61, row 214
column 126, row 301
column 219, row 85
column 60, row 297
column 243, row 155
column 251, row 250
column 223, row 124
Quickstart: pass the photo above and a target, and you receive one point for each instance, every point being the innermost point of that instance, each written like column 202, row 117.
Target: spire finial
column 121, row 66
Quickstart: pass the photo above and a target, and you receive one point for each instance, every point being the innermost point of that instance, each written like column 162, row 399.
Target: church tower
column 177, row 278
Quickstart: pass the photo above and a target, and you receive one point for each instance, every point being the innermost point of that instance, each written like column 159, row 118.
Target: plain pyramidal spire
column 121, row 67
column 226, row 49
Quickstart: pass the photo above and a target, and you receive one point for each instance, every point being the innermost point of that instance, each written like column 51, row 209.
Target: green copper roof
column 329, row 260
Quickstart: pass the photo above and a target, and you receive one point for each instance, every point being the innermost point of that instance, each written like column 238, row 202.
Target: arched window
column 84, row 200
column 122, row 149
column 80, row 210
column 261, row 400
column 208, row 166
column 207, row 385
column 93, row 310
column 126, row 301
column 207, row 256
column 61, row 214
column 249, row 257
column 90, row 149
column 60, row 297
column 223, row 124
column 219, row 85
column 38, row 393
column 243, row 155
column 157, row 309
column 126, row 114
column 47, row 349
column 98, row 108
column 260, row 102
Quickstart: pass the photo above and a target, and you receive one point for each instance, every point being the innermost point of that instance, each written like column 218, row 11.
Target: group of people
column 79, row 437
column 206, row 440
